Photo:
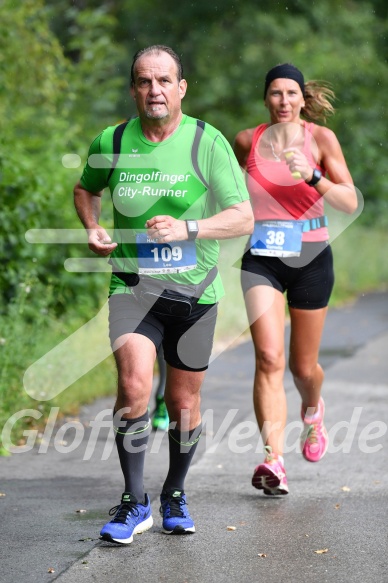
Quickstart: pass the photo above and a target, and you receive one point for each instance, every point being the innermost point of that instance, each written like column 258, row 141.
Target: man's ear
column 182, row 88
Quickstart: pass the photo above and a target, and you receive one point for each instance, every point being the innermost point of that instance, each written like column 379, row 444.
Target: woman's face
column 284, row 101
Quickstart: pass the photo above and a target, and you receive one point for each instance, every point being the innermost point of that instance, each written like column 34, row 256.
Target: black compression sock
column 131, row 440
column 182, row 446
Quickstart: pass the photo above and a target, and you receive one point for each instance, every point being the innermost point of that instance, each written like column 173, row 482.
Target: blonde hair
column 318, row 96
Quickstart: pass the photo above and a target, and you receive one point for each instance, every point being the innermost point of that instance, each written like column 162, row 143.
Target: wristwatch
column 317, row 175
column 192, row 229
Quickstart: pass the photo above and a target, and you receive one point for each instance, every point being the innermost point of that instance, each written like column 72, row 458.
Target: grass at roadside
column 80, row 370
column 360, row 263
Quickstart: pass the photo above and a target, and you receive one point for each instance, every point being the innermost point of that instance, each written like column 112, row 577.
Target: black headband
column 285, row 71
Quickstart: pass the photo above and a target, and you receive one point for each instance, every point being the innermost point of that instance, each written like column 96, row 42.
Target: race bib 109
column 174, row 257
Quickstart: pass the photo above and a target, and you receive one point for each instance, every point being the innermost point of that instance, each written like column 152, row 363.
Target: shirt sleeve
column 94, row 175
column 226, row 178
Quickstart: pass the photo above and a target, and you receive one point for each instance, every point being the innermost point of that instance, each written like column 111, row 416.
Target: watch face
column 192, row 229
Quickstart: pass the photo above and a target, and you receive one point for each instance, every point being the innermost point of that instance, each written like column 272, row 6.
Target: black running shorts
column 187, row 341
column 307, row 280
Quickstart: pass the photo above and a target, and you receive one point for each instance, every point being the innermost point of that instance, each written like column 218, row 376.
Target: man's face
column 156, row 89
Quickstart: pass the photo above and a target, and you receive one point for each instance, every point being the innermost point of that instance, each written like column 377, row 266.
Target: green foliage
column 45, row 105
column 47, row 110
column 31, row 97
column 95, row 77
column 360, row 262
column 23, row 341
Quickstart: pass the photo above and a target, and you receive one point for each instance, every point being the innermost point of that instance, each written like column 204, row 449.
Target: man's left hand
column 164, row 228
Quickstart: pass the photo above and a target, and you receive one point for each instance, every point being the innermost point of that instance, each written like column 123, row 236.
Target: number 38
column 275, row 238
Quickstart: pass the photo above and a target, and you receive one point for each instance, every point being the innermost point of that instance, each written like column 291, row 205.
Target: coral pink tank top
column 276, row 195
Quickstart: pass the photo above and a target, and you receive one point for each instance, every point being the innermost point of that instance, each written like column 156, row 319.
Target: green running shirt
column 160, row 178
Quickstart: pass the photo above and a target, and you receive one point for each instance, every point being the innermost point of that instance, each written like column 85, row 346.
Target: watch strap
column 317, row 175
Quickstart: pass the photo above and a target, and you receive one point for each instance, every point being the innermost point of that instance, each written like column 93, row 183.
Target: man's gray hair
column 157, row 49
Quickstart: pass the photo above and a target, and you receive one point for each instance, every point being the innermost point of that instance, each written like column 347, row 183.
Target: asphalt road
column 332, row 527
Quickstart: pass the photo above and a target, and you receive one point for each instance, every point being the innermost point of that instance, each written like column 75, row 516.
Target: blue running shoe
column 176, row 517
column 130, row 518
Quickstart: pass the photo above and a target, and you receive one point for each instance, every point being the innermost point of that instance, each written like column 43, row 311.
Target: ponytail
column 318, row 97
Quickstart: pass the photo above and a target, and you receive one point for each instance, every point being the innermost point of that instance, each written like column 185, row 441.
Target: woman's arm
column 242, row 146
column 338, row 188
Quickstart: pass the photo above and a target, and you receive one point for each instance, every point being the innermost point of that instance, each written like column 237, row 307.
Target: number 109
column 167, row 253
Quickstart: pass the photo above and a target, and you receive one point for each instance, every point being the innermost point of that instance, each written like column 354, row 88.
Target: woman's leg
column 266, row 313
column 306, row 334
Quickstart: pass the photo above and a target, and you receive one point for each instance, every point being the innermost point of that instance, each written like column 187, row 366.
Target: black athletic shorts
column 308, row 279
column 187, row 341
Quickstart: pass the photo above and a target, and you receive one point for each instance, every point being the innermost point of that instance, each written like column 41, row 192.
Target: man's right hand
column 99, row 242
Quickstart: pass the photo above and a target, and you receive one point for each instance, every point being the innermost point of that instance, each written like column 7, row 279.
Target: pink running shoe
column 314, row 440
column 270, row 476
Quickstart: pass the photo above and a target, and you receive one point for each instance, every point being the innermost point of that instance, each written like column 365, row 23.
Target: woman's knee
column 303, row 370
